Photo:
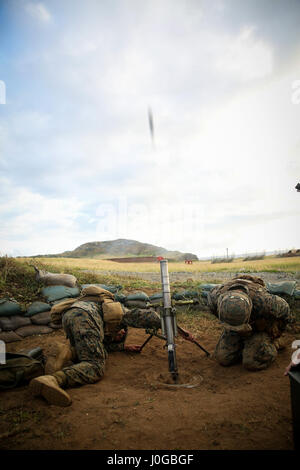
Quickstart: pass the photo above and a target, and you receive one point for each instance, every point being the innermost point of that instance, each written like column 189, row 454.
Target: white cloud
column 39, row 12
column 244, row 57
column 226, row 132
column 35, row 222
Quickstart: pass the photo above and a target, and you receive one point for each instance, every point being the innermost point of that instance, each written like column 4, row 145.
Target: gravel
column 213, row 277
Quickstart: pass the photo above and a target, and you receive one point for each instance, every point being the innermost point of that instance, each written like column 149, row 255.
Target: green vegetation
column 17, row 279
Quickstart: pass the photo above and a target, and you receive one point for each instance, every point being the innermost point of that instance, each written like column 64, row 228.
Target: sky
column 77, row 159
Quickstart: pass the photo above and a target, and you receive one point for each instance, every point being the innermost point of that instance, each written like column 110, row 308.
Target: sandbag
column 120, row 298
column 42, row 318
column 31, row 330
column 9, row 307
column 185, row 295
column 112, row 289
column 37, row 307
column 53, row 293
column 284, row 287
column 138, row 296
column 157, row 296
column 9, row 336
column 208, row 287
column 55, row 279
column 13, row 322
column 296, row 294
column 136, row 303
column 54, row 326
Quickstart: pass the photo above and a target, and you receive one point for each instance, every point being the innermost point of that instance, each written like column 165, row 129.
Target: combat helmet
column 234, row 308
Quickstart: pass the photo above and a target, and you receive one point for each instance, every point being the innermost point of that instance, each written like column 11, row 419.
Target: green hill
column 121, row 248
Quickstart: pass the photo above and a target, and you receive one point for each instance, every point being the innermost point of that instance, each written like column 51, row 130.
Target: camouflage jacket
column 270, row 313
column 135, row 318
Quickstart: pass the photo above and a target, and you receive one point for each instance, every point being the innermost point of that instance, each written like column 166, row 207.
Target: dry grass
column 270, row 264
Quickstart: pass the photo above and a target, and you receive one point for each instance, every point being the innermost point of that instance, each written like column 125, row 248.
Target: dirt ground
column 133, row 407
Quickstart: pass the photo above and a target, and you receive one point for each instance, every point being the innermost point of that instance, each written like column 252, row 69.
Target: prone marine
column 95, row 325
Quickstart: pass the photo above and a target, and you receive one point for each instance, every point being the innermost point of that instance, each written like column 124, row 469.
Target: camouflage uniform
column 255, row 341
column 85, row 328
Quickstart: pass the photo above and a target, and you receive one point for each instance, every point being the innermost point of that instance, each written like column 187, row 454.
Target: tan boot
column 64, row 355
column 47, row 386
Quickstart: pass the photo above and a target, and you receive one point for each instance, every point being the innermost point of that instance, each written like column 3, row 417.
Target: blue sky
column 77, row 163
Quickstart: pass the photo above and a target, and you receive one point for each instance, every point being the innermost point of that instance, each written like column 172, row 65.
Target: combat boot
column 64, row 355
column 48, row 387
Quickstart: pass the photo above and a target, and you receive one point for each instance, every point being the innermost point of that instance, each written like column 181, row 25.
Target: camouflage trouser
column 256, row 352
column 85, row 332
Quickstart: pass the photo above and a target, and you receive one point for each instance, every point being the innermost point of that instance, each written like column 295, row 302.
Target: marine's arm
column 274, row 313
column 118, row 344
column 149, row 319
column 135, row 318
column 141, row 318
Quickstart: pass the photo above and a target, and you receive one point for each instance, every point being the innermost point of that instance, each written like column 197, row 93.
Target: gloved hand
column 119, row 336
column 186, row 335
column 132, row 348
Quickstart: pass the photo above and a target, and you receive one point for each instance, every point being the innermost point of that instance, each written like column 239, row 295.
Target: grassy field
column 268, row 264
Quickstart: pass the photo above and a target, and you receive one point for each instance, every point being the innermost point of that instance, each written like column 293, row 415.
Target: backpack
column 20, row 368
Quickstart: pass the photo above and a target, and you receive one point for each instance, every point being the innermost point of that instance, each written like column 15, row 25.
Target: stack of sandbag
column 16, row 324
column 137, row 299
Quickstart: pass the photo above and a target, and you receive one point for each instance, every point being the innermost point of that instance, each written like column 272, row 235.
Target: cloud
column 33, row 220
column 75, row 136
column 39, row 12
column 245, row 57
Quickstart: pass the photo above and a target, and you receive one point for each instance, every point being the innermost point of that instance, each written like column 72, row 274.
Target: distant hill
column 121, row 248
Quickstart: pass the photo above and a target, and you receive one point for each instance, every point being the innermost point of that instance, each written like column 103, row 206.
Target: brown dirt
column 135, row 406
